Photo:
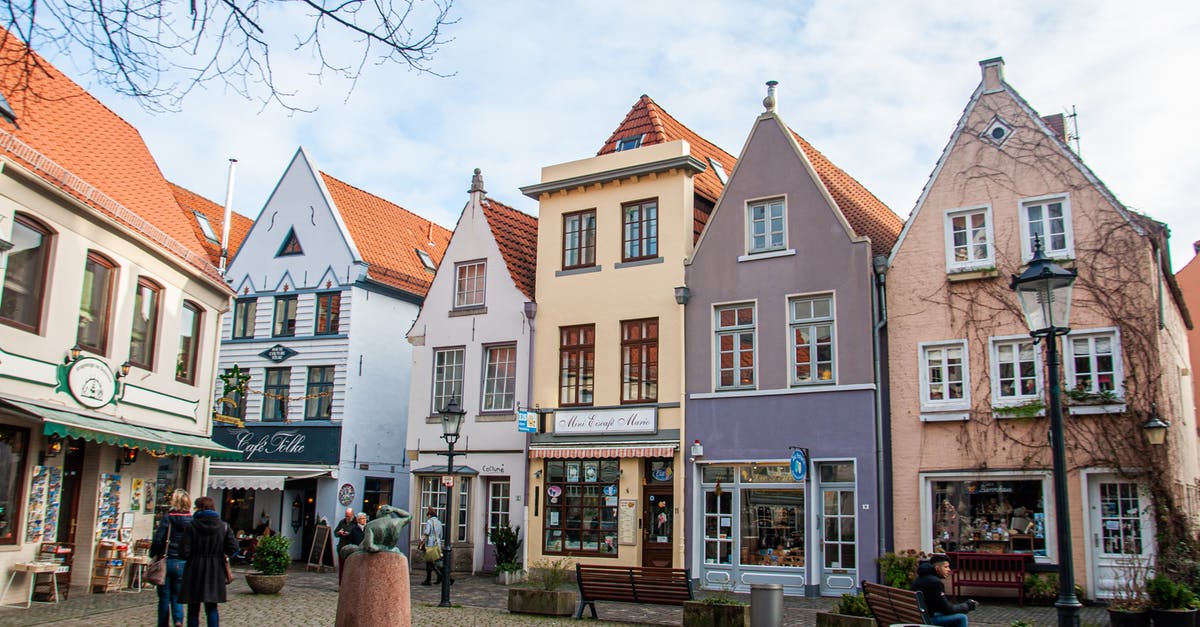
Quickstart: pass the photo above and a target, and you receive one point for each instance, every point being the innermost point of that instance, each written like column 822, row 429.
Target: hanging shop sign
column 91, row 382
column 799, row 464
column 527, row 421
column 585, row 421
column 346, row 494
column 308, row 444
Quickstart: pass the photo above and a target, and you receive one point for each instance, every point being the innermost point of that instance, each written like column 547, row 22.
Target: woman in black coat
column 206, row 545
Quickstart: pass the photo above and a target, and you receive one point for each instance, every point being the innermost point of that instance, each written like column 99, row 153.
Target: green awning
column 106, row 431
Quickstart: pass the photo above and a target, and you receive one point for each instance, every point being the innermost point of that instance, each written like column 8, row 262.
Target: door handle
column 1096, row 540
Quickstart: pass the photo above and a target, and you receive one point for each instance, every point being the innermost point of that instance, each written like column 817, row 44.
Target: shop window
column 773, row 527
column 989, row 516
column 172, row 473
column 577, row 362
column 717, row 474
column 754, row 514
column 581, row 507
column 447, row 377
column 377, row 491
column 25, row 276
column 329, row 310
column 238, row 510
column 144, row 333
column 189, row 342
column 14, row 447
column 95, row 304
column 718, row 527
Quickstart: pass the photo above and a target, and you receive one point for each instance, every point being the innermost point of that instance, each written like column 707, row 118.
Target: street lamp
column 1155, row 428
column 452, row 418
column 1044, row 293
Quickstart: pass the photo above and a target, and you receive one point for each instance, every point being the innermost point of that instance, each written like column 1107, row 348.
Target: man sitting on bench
column 929, row 583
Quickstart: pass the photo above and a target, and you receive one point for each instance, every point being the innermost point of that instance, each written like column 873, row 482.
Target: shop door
column 838, row 559
column 658, row 523
column 497, row 516
column 1122, row 533
column 68, row 508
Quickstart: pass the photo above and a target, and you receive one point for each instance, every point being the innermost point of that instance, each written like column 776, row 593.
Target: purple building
column 783, row 355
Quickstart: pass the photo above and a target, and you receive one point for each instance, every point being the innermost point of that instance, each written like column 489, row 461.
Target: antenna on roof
column 1074, row 135
column 228, row 216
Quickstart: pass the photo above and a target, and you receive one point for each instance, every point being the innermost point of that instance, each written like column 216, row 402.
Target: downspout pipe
column 530, row 312
column 879, row 313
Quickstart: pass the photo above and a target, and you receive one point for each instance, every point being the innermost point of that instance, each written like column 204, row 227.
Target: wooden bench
column 894, row 606
column 989, row 570
column 631, row 584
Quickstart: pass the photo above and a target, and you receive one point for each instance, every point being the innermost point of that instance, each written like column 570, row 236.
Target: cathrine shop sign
column 586, row 421
column 278, row 443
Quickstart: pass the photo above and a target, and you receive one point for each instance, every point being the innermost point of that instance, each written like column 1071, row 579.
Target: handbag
column 156, row 571
column 228, row 572
column 433, row 553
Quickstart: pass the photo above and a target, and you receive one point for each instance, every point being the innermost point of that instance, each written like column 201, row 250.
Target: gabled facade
column 327, row 280
column 782, row 355
column 472, row 343
column 109, row 311
column 606, row 467
column 971, row 463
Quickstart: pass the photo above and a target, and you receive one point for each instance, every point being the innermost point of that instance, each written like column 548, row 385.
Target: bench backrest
column 989, row 567
column 635, row 584
column 893, row 606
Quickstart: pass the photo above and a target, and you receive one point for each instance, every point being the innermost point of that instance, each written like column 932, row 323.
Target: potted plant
column 900, row 569
column 545, row 593
column 1130, row 606
column 1041, row 588
column 716, row 610
column 271, row 561
column 851, row 611
column 1171, row 604
column 507, row 541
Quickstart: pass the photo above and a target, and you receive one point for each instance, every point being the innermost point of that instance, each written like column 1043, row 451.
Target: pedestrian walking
column 206, row 545
column 167, row 538
column 431, row 544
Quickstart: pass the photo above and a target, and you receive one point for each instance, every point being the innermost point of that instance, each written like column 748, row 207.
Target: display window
column 989, row 516
column 581, row 507
column 14, row 446
column 754, row 515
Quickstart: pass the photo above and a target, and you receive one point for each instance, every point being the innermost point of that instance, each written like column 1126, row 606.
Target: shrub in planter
column 542, row 594
column 718, row 610
column 507, row 541
column 851, row 611
column 271, row 560
column 1130, row 607
column 509, row 573
column 900, row 569
column 1171, row 604
column 1041, row 588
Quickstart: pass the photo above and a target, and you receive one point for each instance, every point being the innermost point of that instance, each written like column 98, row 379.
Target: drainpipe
column 879, row 295
column 530, row 313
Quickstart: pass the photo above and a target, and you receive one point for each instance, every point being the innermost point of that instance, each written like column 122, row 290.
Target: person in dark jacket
column 167, row 538
column 358, row 531
column 929, row 583
column 206, row 545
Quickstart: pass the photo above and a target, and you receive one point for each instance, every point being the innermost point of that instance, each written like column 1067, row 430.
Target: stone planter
column 1174, row 618
column 1123, row 618
column 701, row 614
column 544, row 602
column 829, row 619
column 266, row 584
column 509, row 578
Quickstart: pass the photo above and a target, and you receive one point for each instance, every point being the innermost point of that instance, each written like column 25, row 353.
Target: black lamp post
column 1044, row 292
column 452, row 417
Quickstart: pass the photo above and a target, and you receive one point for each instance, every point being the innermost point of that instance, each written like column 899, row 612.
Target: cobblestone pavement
column 310, row 599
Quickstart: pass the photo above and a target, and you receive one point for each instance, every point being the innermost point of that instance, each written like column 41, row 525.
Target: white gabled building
column 471, row 343
column 327, row 281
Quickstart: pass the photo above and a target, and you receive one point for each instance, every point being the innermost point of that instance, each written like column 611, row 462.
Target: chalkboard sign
column 320, row 554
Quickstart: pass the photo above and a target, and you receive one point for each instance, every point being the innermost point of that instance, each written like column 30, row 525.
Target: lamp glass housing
column 1155, row 430
column 452, row 418
column 1044, row 293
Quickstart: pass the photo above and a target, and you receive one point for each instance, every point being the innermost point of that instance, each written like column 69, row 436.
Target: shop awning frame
column 227, row 478
column 112, row 431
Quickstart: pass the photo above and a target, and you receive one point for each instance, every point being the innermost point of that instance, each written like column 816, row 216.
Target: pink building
column 970, row 458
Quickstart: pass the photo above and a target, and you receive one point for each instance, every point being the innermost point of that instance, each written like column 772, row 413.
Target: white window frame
column 935, row 410
column 751, row 204
column 794, row 323
column 926, row 480
column 439, row 395
column 495, row 387
column 952, row 265
column 463, row 524
column 1068, row 358
column 1027, row 245
column 718, row 331
column 476, row 294
column 994, row 344
column 499, row 517
column 433, row 494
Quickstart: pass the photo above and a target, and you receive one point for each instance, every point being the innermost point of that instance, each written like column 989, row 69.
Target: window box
column 1029, row 409
column 954, row 276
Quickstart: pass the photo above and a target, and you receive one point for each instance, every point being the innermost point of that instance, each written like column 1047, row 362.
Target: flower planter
column 266, row 584
column 1174, row 618
column 1125, row 618
column 700, row 614
column 508, row 578
column 544, row 602
column 829, row 619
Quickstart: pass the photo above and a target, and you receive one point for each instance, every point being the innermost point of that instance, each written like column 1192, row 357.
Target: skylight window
column 718, row 170
column 426, row 260
column 629, row 143
column 205, row 227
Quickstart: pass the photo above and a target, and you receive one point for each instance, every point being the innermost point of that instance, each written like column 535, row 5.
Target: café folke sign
column 279, row 443
column 587, row 421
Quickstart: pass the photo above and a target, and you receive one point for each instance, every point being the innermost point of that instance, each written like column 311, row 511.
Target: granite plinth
column 374, row 591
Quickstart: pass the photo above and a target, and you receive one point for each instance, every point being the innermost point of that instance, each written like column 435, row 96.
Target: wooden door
column 658, row 524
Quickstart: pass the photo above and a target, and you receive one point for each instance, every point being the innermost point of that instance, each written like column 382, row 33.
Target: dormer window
column 718, row 170
column 426, row 260
column 205, row 227
column 629, row 143
column 291, row 245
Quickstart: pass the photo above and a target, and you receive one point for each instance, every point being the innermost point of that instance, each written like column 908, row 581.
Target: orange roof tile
column 239, row 224
column 388, row 237
column 74, row 142
column 866, row 214
column 516, row 234
column 658, row 127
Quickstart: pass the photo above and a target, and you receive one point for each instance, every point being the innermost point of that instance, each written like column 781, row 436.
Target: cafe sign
column 91, row 382
column 309, row 444
column 587, row 421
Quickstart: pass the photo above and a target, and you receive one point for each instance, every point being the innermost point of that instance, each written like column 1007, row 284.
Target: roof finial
column 770, row 101
column 477, row 183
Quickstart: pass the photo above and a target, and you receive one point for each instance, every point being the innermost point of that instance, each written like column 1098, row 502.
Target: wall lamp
column 530, row 309
column 127, row 457
column 73, row 354
column 537, row 474
column 1155, row 428
column 123, row 371
column 682, row 294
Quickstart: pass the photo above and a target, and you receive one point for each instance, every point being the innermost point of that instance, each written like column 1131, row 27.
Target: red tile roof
column 658, row 127
column 866, row 214
column 516, row 234
column 239, row 224
column 74, row 142
column 388, row 236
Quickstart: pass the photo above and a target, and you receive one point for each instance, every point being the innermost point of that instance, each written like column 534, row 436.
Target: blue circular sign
column 799, row 465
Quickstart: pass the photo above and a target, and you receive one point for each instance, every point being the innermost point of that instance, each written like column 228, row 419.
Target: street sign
column 448, row 481
column 527, row 421
column 799, row 464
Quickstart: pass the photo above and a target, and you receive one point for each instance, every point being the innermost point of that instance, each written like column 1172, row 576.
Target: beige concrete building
column 970, row 460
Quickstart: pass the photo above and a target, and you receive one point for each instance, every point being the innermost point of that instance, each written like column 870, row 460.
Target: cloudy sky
column 877, row 86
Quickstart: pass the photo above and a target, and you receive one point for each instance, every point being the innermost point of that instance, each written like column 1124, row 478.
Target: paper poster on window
column 572, row 471
column 553, row 522
column 627, row 522
column 135, row 496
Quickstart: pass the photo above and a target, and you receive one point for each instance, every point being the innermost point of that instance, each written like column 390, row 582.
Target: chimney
column 771, row 101
column 993, row 73
column 1058, row 125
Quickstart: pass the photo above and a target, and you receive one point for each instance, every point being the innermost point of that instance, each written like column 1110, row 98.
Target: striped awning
column 563, row 452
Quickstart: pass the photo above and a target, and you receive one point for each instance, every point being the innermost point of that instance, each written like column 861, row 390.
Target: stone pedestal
column 374, row 591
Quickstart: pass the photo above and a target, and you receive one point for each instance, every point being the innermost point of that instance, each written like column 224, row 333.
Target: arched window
column 95, row 305
column 143, row 337
column 189, row 341
column 25, row 278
